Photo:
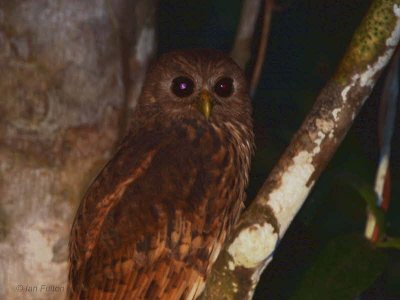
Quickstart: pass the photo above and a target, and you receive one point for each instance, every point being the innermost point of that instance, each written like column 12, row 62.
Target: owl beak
column 205, row 103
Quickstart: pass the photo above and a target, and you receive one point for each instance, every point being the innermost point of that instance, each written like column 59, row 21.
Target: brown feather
column 154, row 220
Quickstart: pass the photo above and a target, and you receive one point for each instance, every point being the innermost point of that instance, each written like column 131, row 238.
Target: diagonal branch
column 251, row 245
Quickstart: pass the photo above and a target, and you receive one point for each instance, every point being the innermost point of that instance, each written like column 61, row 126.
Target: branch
column 269, row 5
column 241, row 51
column 250, row 246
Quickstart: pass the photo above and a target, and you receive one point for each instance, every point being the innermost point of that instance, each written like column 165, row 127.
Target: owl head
column 197, row 83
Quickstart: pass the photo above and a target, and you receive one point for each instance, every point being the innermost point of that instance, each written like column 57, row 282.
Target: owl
column 153, row 222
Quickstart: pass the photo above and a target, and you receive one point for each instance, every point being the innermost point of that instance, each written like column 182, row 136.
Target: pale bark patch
column 252, row 245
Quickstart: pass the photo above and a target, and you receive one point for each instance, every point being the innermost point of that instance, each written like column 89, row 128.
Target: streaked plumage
column 154, row 220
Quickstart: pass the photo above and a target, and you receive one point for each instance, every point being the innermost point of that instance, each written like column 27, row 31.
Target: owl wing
column 144, row 229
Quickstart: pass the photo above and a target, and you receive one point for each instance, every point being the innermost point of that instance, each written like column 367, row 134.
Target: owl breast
column 153, row 223
column 192, row 193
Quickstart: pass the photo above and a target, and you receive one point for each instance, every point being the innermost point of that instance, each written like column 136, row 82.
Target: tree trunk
column 70, row 72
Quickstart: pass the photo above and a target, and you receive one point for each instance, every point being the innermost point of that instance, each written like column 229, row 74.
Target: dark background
column 307, row 40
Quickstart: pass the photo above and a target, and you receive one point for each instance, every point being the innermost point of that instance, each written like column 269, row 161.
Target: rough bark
column 250, row 248
column 70, row 72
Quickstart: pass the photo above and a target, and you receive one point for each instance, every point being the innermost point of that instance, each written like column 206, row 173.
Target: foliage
column 340, row 271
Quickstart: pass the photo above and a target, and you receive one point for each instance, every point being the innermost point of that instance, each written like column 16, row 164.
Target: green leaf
column 390, row 242
column 368, row 194
column 344, row 269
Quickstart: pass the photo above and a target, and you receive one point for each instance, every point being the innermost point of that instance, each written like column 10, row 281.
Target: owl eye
column 182, row 86
column 224, row 87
